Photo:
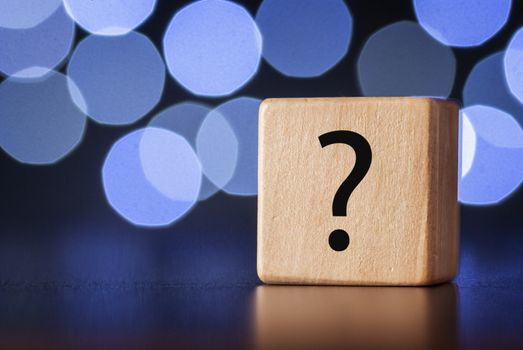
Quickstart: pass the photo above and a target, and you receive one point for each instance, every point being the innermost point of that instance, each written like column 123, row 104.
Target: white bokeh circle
column 212, row 47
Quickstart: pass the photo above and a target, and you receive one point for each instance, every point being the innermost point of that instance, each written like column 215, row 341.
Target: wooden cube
column 392, row 221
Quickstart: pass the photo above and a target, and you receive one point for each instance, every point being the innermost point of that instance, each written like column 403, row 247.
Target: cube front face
column 402, row 216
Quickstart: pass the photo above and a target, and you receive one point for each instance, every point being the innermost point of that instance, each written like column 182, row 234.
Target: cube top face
column 401, row 218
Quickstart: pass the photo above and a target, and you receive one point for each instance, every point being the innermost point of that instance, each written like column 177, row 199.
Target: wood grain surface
column 402, row 218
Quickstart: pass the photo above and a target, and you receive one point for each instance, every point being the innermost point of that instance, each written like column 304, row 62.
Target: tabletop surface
column 159, row 315
column 90, row 281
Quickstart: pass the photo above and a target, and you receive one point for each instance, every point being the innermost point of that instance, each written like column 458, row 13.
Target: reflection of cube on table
column 401, row 219
column 296, row 317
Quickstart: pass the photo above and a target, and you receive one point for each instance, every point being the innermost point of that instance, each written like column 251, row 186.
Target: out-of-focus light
column 304, row 38
column 212, row 47
column 401, row 60
column 23, row 14
column 146, row 156
column 486, row 85
column 217, row 147
column 232, row 127
column 467, row 144
column 462, row 22
column 121, row 78
column 170, row 165
column 185, row 119
column 40, row 122
column 33, row 52
column 109, row 17
column 495, row 126
column 497, row 168
column 513, row 62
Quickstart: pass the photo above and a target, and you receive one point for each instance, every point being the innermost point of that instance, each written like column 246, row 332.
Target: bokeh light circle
column 467, row 145
column 495, row 126
column 497, row 167
column 109, row 17
column 23, row 14
column 217, row 148
column 146, row 155
column 227, row 144
column 170, row 164
column 486, row 85
column 513, row 62
column 121, row 78
column 185, row 119
column 40, row 122
column 462, row 23
column 212, row 47
column 304, row 38
column 402, row 60
column 33, row 52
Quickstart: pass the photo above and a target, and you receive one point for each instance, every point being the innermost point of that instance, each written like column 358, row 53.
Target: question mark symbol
column 339, row 239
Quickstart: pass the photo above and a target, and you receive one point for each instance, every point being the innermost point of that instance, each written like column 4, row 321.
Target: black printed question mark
column 339, row 239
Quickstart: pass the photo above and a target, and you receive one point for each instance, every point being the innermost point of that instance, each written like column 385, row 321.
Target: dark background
column 72, row 270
